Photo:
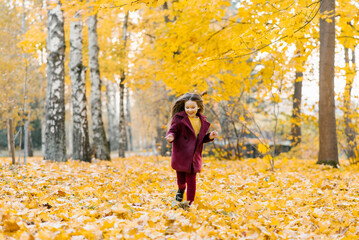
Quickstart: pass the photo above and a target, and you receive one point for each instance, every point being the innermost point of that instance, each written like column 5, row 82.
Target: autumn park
column 179, row 119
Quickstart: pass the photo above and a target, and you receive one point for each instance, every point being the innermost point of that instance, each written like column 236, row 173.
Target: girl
column 188, row 132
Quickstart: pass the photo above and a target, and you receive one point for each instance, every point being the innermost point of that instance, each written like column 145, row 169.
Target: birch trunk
column 349, row 129
column 55, row 144
column 43, row 100
column 112, row 115
column 328, row 147
column 100, row 144
column 27, row 136
column 122, row 124
column 25, row 116
column 80, row 137
column 128, row 118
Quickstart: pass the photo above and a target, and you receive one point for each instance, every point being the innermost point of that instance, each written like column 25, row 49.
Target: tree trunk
column 122, row 124
column 30, row 152
column 80, row 137
column 20, row 143
column 227, row 133
column 349, row 129
column 43, row 114
column 43, row 100
column 296, row 111
column 160, row 141
column 10, row 139
column 55, row 144
column 128, row 117
column 100, row 144
column 26, row 124
column 25, row 115
column 112, row 115
column 43, row 131
column 328, row 147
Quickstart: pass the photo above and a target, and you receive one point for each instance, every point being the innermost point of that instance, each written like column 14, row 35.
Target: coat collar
column 186, row 121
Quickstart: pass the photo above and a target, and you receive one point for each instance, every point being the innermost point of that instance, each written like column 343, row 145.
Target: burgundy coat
column 186, row 148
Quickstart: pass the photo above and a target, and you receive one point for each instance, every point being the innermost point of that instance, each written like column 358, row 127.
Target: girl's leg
column 191, row 186
column 181, row 181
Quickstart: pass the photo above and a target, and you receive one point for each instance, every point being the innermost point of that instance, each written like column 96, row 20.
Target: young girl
column 187, row 134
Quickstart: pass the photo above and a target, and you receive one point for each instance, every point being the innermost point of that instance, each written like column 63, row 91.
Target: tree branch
column 281, row 38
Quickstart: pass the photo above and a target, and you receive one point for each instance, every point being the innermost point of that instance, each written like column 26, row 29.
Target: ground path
column 132, row 198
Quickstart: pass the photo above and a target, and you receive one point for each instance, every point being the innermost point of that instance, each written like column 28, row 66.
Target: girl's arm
column 210, row 136
column 171, row 134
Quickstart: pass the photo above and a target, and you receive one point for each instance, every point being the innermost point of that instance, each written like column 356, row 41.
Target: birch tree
column 55, row 145
column 112, row 115
column 100, row 144
column 128, row 119
column 80, row 138
column 25, row 113
column 123, row 137
column 350, row 133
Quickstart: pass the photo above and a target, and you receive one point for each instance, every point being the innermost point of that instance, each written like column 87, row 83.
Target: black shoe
column 179, row 195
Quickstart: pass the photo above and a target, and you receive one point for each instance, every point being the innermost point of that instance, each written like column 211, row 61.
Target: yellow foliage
column 11, row 226
column 134, row 198
column 262, row 148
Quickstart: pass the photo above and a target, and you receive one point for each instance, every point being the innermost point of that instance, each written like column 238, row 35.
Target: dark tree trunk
column 10, row 139
column 164, row 150
column 296, row 111
column 55, row 144
column 328, row 147
column 160, row 141
column 100, row 145
column 30, row 151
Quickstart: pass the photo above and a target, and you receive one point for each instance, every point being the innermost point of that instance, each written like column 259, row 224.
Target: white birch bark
column 122, row 124
column 112, row 116
column 55, row 145
column 350, row 134
column 26, row 125
column 100, row 144
column 80, row 136
column 128, row 118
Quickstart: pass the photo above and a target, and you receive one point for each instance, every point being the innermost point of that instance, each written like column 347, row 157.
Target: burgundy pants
column 190, row 179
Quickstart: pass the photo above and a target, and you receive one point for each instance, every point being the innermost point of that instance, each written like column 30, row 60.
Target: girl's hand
column 170, row 138
column 213, row 134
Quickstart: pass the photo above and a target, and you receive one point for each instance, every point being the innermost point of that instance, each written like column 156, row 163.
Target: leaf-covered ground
column 132, row 198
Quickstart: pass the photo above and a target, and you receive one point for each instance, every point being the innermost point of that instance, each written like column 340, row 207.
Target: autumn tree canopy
column 246, row 54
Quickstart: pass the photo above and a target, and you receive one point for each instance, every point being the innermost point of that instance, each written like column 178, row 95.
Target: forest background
column 95, row 81
column 252, row 57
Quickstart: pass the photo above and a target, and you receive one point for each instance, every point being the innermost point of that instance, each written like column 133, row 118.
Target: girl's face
column 191, row 108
